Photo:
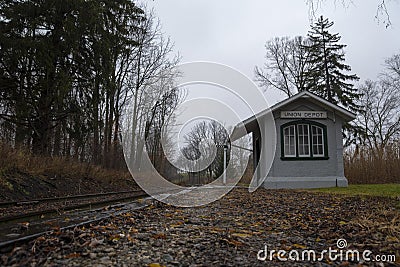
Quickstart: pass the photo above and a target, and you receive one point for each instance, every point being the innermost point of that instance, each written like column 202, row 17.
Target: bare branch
column 382, row 13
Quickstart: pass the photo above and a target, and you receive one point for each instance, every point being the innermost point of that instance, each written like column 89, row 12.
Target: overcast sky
column 234, row 32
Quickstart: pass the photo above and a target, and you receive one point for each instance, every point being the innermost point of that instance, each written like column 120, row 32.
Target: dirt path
column 229, row 232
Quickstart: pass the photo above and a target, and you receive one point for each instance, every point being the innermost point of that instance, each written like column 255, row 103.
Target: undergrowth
column 21, row 160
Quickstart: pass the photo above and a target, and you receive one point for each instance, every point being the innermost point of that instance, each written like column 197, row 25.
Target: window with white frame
column 318, row 140
column 304, row 140
column 290, row 141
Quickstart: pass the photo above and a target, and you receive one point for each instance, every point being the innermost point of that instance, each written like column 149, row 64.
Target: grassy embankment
column 383, row 190
column 24, row 176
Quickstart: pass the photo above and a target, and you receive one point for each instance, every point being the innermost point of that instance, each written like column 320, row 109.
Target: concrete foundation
column 304, row 182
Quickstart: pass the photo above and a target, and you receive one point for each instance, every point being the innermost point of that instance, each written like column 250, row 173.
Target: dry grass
column 366, row 166
column 20, row 160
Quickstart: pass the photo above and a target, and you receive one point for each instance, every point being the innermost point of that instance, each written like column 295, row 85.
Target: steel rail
column 29, row 215
column 53, row 199
column 6, row 246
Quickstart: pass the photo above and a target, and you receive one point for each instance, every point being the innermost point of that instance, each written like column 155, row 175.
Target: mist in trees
column 204, row 147
column 70, row 69
column 202, row 154
column 153, row 95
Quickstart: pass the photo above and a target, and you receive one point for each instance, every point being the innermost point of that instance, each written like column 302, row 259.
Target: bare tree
column 151, row 76
column 286, row 66
column 381, row 116
column 375, row 157
column 196, row 147
column 392, row 73
column 382, row 13
column 157, row 137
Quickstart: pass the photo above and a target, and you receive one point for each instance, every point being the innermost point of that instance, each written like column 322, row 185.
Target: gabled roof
column 342, row 112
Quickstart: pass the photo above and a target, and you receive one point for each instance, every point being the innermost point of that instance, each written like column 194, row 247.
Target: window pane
column 309, row 138
column 289, row 141
column 305, row 127
column 314, row 130
column 292, row 151
column 292, row 145
column 300, row 132
column 318, row 140
column 303, row 140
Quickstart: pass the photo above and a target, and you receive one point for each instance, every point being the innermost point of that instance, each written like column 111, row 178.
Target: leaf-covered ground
column 229, row 232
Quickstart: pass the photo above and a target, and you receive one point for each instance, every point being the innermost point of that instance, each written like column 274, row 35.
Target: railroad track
column 21, row 228
column 44, row 206
column 56, row 199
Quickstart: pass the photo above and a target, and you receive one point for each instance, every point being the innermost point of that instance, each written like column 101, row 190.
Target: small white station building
column 309, row 143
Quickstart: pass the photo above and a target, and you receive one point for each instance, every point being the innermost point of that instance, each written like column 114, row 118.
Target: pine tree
column 57, row 61
column 328, row 78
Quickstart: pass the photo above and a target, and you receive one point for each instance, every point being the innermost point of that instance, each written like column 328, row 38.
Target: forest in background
column 71, row 70
column 68, row 71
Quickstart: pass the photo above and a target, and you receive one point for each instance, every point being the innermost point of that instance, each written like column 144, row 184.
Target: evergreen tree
column 328, row 78
column 58, row 62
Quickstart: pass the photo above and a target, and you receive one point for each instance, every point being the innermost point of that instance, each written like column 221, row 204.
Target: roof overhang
column 251, row 123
